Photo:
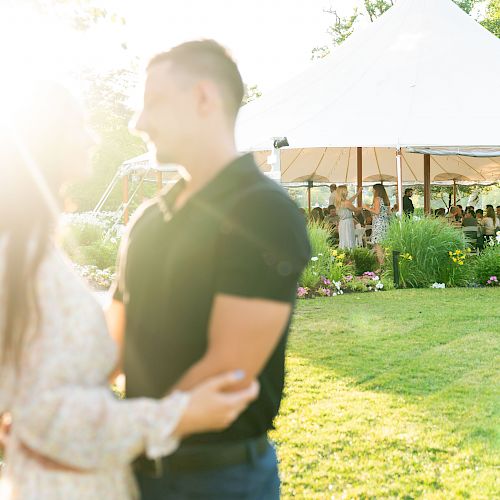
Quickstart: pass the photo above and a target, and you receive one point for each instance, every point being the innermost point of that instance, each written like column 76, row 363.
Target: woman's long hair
column 28, row 147
column 490, row 212
column 340, row 196
column 380, row 191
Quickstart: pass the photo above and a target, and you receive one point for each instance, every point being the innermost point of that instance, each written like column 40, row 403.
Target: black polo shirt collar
column 227, row 179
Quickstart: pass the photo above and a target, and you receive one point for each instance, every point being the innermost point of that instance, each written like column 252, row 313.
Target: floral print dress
column 380, row 223
column 61, row 405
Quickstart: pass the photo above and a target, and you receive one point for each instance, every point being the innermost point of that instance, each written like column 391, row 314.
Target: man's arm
column 242, row 335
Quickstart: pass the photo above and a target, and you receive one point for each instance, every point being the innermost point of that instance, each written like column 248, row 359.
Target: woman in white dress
column 345, row 209
column 70, row 438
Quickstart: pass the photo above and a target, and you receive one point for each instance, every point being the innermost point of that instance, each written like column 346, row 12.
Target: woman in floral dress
column 70, row 438
column 380, row 210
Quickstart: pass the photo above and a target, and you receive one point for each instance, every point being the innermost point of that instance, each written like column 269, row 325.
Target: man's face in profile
column 169, row 115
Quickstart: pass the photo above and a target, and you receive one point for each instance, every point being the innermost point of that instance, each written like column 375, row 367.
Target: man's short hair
column 331, row 207
column 333, row 187
column 407, row 190
column 207, row 58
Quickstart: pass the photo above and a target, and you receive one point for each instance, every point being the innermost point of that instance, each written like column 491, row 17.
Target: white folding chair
column 360, row 236
column 471, row 234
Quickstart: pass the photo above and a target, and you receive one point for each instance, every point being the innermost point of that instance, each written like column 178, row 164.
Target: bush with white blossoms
column 95, row 277
column 91, row 240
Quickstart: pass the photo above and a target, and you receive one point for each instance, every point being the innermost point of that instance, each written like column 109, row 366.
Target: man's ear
column 208, row 97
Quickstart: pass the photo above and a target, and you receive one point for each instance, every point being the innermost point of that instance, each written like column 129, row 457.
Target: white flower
column 376, row 278
column 314, row 259
column 334, row 294
column 320, row 254
column 379, row 286
column 438, row 285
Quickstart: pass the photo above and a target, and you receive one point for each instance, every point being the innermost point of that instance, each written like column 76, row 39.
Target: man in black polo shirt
column 207, row 277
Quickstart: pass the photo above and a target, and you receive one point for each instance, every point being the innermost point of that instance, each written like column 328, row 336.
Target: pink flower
column 302, row 292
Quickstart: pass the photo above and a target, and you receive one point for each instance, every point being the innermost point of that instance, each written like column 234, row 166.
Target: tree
column 492, row 19
column 109, row 114
column 252, row 92
column 376, row 8
column 106, row 100
column 81, row 14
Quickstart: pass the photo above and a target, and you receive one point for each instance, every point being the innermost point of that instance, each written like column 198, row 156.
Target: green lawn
column 393, row 395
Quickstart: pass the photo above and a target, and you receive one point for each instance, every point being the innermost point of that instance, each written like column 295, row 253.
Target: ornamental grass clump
column 320, row 261
column 431, row 251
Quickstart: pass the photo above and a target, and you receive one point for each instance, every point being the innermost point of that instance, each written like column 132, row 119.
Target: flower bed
column 432, row 254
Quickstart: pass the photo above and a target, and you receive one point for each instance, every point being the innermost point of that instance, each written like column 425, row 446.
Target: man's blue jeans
column 257, row 480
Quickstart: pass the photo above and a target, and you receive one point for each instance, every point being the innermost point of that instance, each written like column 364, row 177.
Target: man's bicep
column 244, row 332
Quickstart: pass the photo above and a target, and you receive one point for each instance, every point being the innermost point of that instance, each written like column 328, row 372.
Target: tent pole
column 360, row 175
column 427, row 184
column 309, row 186
column 125, row 198
column 400, row 181
column 454, row 193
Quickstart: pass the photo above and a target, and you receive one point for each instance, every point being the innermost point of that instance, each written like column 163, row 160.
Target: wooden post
column 159, row 181
column 125, row 198
column 360, row 176
column 427, row 183
column 309, row 186
column 454, row 193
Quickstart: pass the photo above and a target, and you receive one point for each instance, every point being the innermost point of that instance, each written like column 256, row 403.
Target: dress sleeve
column 88, row 428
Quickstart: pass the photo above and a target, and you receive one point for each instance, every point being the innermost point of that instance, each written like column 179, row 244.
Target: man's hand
column 243, row 333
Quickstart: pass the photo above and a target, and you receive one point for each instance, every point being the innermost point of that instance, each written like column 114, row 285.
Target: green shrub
column 101, row 254
column 425, row 245
column 364, row 260
column 355, row 285
column 487, row 264
column 81, row 233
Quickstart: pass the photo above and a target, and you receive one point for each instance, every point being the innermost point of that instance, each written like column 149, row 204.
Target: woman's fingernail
column 239, row 374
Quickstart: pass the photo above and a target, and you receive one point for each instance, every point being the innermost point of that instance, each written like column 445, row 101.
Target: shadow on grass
column 441, row 347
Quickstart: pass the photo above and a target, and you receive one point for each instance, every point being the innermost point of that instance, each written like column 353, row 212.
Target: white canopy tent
column 424, row 76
